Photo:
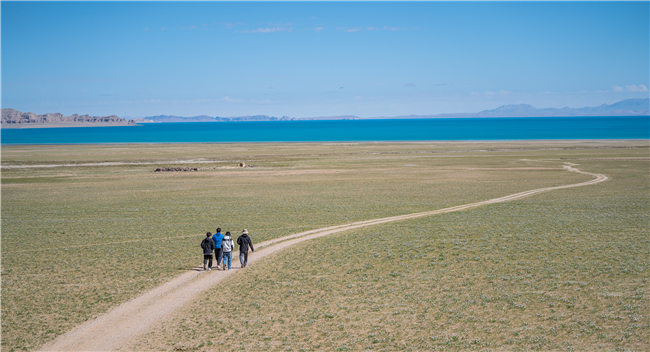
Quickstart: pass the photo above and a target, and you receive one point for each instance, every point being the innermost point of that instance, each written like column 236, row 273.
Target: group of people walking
column 223, row 246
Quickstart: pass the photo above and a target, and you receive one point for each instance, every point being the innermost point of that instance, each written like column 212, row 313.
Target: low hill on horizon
column 629, row 107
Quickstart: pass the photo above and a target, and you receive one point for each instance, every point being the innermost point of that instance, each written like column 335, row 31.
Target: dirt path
column 119, row 326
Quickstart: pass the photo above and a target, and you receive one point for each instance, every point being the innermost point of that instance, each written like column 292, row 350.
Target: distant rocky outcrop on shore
column 342, row 117
column 205, row 118
column 11, row 117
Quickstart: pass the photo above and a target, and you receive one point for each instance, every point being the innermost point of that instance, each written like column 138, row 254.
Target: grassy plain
column 562, row 270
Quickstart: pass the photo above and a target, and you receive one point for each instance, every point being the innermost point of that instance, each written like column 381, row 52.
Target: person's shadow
column 192, row 269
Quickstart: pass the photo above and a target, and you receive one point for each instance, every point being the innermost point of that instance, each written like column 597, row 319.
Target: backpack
column 227, row 242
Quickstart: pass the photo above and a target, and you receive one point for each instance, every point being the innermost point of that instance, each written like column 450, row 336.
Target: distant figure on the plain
column 227, row 246
column 217, row 238
column 244, row 242
column 208, row 246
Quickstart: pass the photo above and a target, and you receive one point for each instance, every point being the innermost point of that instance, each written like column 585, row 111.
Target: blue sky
column 305, row 59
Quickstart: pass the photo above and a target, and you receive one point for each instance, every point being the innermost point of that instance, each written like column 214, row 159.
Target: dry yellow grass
column 108, row 233
column 565, row 270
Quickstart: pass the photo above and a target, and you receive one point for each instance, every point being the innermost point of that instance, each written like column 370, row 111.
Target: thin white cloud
column 267, row 30
column 386, row 28
column 318, row 29
column 347, row 29
column 409, row 85
column 635, row 88
column 641, row 88
column 232, row 100
column 489, row 92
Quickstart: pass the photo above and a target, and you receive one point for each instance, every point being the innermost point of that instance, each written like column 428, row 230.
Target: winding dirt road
column 115, row 329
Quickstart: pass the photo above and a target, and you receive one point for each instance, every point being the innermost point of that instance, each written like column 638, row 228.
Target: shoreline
column 19, row 126
column 405, row 118
column 352, row 142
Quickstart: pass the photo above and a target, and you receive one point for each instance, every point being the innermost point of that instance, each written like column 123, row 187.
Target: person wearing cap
column 208, row 246
column 244, row 242
column 217, row 238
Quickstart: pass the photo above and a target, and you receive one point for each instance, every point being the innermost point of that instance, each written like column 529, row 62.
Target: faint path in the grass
column 163, row 162
column 119, row 326
column 112, row 163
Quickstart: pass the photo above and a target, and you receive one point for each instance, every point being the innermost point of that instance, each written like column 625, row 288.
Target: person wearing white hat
column 244, row 242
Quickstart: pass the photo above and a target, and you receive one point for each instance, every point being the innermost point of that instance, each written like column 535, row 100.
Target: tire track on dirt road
column 115, row 329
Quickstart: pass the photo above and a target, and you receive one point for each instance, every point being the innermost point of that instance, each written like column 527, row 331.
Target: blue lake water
column 465, row 129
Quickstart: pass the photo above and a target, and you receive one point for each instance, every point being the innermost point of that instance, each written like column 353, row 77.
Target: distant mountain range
column 629, row 107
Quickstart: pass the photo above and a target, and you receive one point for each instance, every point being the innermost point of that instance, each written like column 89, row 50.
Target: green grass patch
column 564, row 270
column 83, row 239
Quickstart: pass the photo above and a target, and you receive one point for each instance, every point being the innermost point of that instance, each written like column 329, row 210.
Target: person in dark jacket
column 244, row 242
column 208, row 246
column 217, row 238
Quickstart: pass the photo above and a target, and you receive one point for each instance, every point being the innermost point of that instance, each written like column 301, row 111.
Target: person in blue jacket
column 218, row 254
